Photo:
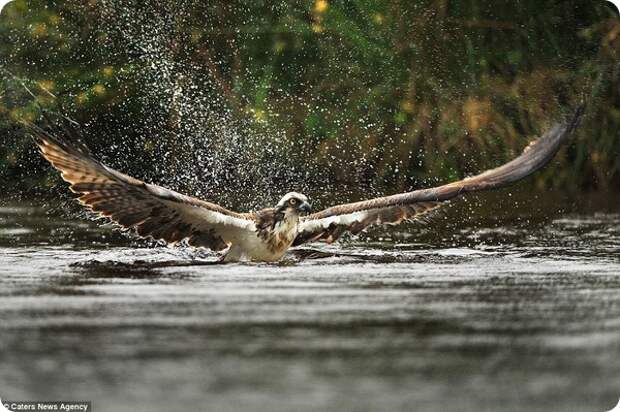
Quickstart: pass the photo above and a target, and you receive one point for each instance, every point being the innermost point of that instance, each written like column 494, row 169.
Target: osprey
column 162, row 214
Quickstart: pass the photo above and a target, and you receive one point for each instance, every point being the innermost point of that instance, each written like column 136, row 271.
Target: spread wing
column 151, row 210
column 329, row 224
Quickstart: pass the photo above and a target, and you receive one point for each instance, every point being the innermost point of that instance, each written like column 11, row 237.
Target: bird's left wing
column 329, row 224
column 151, row 210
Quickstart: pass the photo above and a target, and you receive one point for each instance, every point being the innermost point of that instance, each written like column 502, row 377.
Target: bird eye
column 293, row 201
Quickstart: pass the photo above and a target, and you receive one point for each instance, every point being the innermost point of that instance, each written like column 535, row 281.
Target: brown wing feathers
column 329, row 229
column 151, row 210
column 330, row 223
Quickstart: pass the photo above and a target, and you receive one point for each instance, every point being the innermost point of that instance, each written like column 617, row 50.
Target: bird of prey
column 165, row 215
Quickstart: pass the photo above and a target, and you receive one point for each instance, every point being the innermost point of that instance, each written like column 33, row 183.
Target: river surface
column 500, row 315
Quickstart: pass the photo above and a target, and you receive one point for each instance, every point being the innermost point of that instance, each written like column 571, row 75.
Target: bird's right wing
column 151, row 210
column 329, row 224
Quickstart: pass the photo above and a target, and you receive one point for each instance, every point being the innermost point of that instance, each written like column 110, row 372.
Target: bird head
column 293, row 204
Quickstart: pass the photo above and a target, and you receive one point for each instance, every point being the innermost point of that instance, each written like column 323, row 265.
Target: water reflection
column 512, row 317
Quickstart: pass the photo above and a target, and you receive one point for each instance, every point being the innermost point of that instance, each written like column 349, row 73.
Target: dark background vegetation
column 324, row 96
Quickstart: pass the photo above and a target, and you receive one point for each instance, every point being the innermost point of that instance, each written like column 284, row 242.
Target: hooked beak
column 305, row 207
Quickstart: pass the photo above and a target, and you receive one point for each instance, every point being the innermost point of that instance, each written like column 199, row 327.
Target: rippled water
column 513, row 317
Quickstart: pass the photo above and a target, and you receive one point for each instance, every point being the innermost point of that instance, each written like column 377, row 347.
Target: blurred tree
column 320, row 94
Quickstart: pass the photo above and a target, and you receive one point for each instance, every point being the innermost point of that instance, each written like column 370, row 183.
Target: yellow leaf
column 321, row 6
column 99, row 89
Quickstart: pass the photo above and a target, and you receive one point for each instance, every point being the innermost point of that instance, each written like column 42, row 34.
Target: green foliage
column 376, row 93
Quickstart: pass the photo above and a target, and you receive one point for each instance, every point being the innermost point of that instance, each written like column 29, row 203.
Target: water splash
column 205, row 141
